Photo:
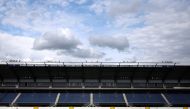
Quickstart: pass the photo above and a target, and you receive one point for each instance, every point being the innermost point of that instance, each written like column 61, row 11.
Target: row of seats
column 91, row 85
column 146, row 98
column 134, row 99
column 34, row 98
column 179, row 98
column 104, row 98
column 7, row 97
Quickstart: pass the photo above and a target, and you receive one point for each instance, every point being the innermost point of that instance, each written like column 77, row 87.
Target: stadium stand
column 47, row 99
column 178, row 98
column 106, row 84
column 108, row 99
column 7, row 98
column 74, row 99
column 143, row 98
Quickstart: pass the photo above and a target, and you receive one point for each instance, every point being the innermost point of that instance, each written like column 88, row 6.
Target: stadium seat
column 74, row 98
column 59, row 84
column 36, row 99
column 27, row 84
column 107, row 84
column 108, row 99
column 171, row 85
column 91, row 84
column 10, row 84
column 185, row 83
column 178, row 99
column 139, row 85
column 145, row 99
column 43, row 84
column 155, row 85
column 75, row 84
column 7, row 98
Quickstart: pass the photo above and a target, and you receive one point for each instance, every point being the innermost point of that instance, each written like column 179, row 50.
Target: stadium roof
column 147, row 72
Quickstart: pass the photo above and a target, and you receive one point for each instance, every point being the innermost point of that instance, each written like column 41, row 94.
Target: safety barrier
column 94, row 107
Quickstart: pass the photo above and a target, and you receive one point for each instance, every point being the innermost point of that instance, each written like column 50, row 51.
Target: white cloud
column 62, row 39
column 125, row 12
column 84, row 53
column 15, row 47
column 115, row 42
column 80, row 2
column 64, row 43
column 40, row 16
column 165, row 33
column 160, row 43
column 157, row 30
column 20, row 48
column 62, row 3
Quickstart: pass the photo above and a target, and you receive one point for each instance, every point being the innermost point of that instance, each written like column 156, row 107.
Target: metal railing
column 97, row 63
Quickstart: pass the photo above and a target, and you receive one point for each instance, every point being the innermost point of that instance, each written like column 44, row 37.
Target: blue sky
column 104, row 30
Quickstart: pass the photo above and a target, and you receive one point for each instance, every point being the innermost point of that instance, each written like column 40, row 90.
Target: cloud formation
column 114, row 42
column 39, row 16
column 62, row 39
column 117, row 7
column 84, row 53
column 157, row 30
column 64, row 42
column 15, row 47
column 125, row 12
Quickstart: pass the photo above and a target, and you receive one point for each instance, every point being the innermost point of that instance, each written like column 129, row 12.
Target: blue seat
column 108, row 98
column 7, row 98
column 72, row 98
column 178, row 98
column 145, row 99
column 36, row 98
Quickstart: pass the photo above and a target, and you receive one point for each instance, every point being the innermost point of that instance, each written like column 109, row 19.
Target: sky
column 95, row 30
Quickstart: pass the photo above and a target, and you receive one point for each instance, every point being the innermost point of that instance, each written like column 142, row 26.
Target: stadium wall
column 94, row 107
